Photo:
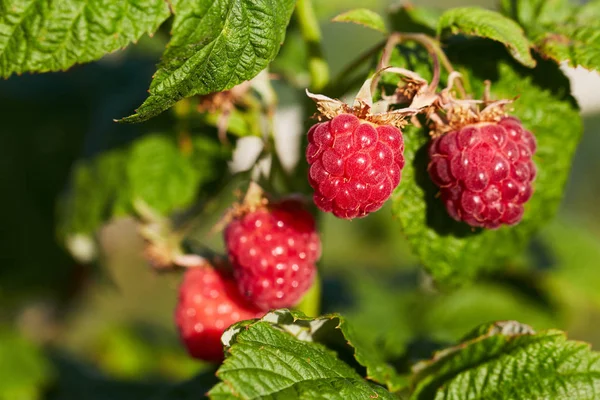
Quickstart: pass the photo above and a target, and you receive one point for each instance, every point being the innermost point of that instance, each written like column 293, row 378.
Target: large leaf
column 450, row 250
column 508, row 360
column 280, row 356
column 215, row 46
column 41, row 35
column 529, row 13
column 491, row 25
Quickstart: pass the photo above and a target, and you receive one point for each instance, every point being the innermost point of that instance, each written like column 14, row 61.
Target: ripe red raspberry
column 273, row 251
column 485, row 171
column 209, row 302
column 354, row 165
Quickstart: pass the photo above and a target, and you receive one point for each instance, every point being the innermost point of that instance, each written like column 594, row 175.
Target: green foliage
column 491, row 25
column 559, row 30
column 416, row 19
column 153, row 169
column 510, row 360
column 283, row 361
column 24, row 370
column 40, row 36
column 450, row 250
column 215, row 46
column 364, row 17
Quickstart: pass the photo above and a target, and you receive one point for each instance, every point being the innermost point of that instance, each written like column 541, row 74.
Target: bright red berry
column 273, row 251
column 354, row 165
column 209, row 302
column 485, row 171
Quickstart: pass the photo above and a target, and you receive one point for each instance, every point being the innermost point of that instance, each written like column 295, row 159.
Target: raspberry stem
column 309, row 27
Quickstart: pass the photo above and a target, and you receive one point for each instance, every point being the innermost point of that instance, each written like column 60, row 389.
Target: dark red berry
column 209, row 302
column 485, row 172
column 273, row 251
column 354, row 165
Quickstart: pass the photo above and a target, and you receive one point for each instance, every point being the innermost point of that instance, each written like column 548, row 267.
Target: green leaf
column 407, row 18
column 560, row 31
column 305, row 365
column 24, row 370
column 41, row 36
column 508, row 360
column 578, row 44
column 451, row 251
column 161, row 175
column 530, row 13
column 364, row 17
column 491, row 25
column 215, row 46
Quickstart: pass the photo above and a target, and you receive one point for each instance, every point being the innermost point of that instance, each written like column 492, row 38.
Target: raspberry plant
column 457, row 125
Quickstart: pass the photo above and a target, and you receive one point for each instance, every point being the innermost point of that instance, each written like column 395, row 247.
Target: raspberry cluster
column 273, row 249
column 354, row 165
column 485, row 171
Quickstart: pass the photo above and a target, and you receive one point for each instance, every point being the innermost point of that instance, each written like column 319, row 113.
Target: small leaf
column 364, row 17
column 509, row 360
column 215, row 46
column 41, row 36
column 491, row 25
column 451, row 251
column 267, row 359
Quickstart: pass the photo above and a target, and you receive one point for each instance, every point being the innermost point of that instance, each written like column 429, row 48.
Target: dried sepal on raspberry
column 481, row 158
column 356, row 153
column 273, row 247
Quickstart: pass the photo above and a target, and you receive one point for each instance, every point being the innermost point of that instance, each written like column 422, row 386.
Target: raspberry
column 485, row 171
column 209, row 302
column 273, row 251
column 354, row 165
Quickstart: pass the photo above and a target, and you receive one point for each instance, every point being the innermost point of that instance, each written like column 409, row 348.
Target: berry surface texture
column 273, row 251
column 354, row 165
column 485, row 172
column 209, row 302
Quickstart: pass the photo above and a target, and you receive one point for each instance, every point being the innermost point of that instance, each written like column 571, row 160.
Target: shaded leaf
column 215, row 46
column 491, row 25
column 450, row 250
column 364, row 17
column 40, row 36
column 509, row 360
column 407, row 18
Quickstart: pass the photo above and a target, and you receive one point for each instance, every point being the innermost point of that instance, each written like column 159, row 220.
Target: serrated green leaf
column 508, row 360
column 451, row 251
column 215, row 46
column 364, row 17
column 40, row 36
column 24, row 371
column 491, row 25
column 577, row 44
column 334, row 331
column 266, row 361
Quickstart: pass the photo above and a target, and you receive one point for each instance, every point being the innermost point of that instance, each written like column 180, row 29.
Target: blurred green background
column 105, row 331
